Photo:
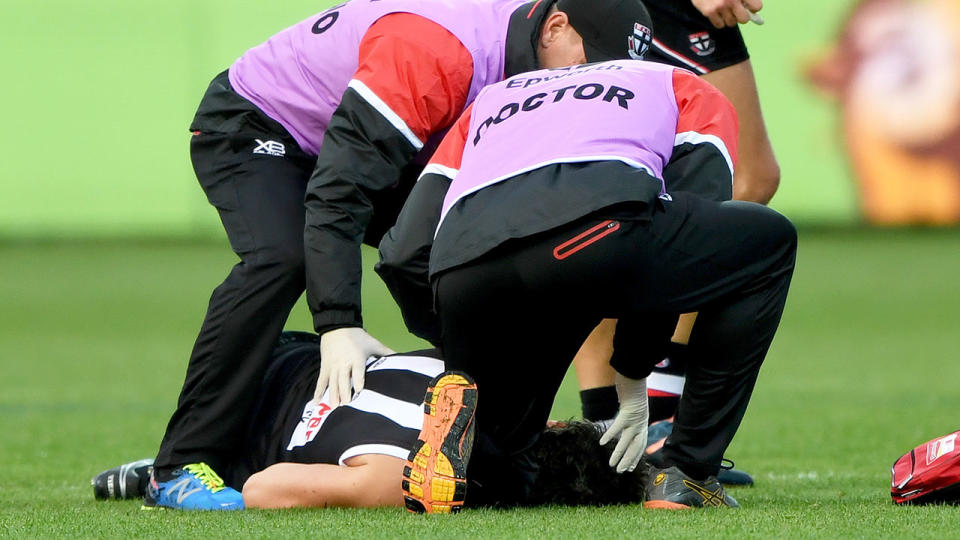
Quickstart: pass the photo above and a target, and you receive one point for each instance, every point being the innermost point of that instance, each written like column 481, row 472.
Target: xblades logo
column 270, row 148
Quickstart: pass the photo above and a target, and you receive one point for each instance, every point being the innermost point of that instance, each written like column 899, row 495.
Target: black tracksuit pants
column 255, row 174
column 515, row 317
column 258, row 191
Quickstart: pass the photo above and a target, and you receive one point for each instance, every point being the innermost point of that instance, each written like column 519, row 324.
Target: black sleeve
column 641, row 342
column 699, row 169
column 405, row 256
column 362, row 156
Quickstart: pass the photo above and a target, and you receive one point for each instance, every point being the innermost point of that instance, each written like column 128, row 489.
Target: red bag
column 930, row 473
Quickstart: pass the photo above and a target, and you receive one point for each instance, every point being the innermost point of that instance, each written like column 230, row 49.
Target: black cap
column 611, row 29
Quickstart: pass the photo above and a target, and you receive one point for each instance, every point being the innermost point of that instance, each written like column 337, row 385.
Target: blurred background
column 862, row 98
column 109, row 250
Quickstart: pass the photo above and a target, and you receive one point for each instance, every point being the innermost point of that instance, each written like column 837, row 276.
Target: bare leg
column 592, row 362
column 758, row 173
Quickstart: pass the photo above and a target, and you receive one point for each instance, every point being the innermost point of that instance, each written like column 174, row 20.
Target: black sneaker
column 657, row 434
column 670, row 489
column 128, row 481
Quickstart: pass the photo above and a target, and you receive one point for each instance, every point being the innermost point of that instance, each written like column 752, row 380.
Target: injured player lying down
column 301, row 453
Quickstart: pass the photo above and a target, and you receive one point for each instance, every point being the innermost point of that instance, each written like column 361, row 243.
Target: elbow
column 386, row 269
column 758, row 185
column 258, row 492
column 770, row 183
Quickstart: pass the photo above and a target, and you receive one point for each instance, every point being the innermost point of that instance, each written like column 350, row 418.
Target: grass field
column 94, row 339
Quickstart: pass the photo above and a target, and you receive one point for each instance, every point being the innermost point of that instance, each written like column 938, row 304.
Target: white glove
column 343, row 356
column 630, row 425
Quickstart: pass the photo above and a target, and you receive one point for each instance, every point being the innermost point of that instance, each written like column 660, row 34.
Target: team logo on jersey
column 270, row 148
column 940, row 447
column 702, row 44
column 312, row 419
column 639, row 42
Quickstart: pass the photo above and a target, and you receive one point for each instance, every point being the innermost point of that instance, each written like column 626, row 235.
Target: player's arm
column 412, row 81
column 705, row 147
column 405, row 249
column 369, row 481
column 403, row 91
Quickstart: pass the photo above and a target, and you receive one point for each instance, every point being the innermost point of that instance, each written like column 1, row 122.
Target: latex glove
column 343, row 356
column 630, row 424
column 723, row 13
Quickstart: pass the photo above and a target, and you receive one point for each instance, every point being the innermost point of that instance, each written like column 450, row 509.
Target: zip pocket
column 584, row 239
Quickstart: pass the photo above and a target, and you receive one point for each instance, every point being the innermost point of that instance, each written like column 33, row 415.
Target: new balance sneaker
column 435, row 476
column 657, row 434
column 670, row 489
column 128, row 481
column 193, row 487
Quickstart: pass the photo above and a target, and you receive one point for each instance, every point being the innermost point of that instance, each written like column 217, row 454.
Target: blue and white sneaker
column 193, row 487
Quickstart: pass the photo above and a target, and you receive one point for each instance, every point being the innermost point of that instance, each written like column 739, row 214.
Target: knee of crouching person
column 785, row 238
column 773, row 227
column 788, row 231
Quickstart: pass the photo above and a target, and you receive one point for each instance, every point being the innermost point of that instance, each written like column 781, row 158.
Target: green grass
column 94, row 340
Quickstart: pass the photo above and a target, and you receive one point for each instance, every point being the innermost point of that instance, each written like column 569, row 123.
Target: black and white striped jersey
column 384, row 418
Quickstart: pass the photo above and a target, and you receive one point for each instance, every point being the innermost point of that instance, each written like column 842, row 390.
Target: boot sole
column 435, row 475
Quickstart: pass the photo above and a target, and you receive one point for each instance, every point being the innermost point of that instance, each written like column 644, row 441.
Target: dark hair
column 574, row 469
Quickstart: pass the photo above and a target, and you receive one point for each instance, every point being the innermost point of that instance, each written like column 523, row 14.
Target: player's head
column 579, row 31
column 575, row 470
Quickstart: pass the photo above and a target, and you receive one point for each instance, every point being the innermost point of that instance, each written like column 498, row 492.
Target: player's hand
column 343, row 357
column 630, row 425
column 723, row 13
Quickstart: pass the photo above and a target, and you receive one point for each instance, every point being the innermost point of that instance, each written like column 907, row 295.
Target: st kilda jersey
column 384, row 418
column 545, row 148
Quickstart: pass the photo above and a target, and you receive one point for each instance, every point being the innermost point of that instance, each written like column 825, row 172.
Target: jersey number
column 329, row 17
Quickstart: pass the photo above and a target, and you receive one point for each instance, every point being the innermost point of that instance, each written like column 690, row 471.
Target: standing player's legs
column 260, row 200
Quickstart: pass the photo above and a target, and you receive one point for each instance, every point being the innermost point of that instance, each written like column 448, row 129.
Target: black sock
column 599, row 403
